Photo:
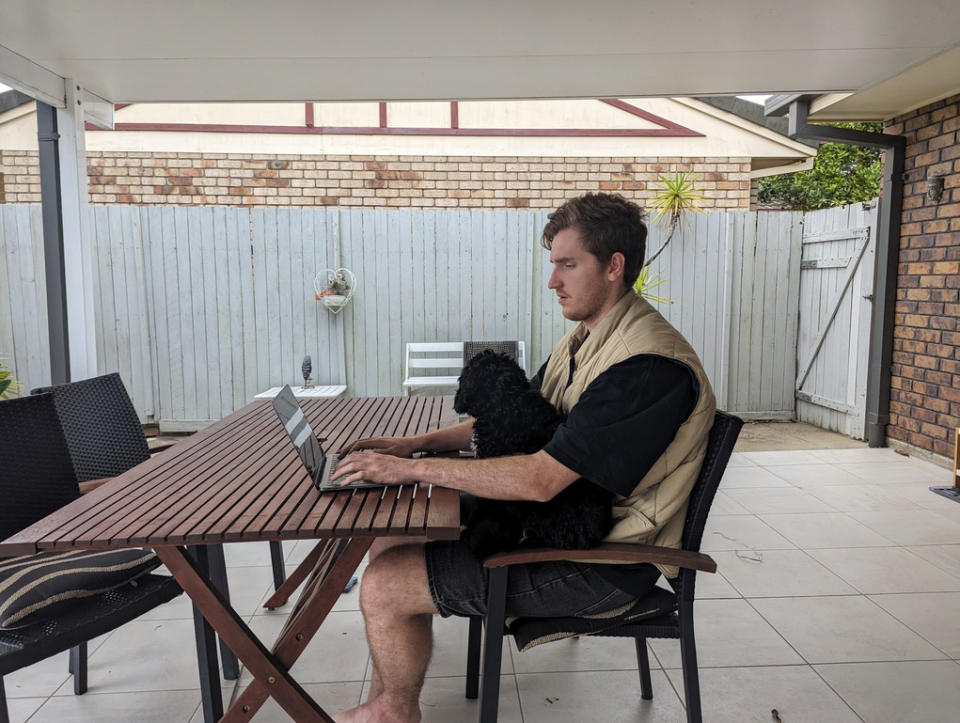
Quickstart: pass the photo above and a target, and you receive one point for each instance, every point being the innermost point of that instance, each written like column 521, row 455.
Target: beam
column 23, row 74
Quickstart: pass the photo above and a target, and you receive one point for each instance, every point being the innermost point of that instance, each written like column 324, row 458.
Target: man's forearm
column 533, row 477
column 457, row 436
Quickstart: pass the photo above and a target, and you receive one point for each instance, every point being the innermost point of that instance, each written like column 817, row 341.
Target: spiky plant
column 678, row 197
column 9, row 387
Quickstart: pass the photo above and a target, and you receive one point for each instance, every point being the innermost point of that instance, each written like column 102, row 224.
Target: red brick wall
column 925, row 393
column 387, row 181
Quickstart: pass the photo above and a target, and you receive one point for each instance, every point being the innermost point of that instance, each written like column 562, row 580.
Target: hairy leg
column 397, row 609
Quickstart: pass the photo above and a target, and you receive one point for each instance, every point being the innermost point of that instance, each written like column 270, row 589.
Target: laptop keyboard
column 330, row 464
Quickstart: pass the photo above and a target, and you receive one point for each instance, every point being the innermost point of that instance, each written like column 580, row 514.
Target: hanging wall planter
column 334, row 288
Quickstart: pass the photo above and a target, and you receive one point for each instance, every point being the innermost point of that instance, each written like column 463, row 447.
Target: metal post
column 52, row 213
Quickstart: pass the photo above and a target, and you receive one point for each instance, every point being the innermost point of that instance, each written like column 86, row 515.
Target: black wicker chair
column 36, row 478
column 105, row 439
column 668, row 615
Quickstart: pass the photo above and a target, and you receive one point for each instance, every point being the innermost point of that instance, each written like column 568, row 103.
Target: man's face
column 580, row 280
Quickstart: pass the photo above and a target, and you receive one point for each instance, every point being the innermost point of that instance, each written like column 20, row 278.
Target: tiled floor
column 838, row 599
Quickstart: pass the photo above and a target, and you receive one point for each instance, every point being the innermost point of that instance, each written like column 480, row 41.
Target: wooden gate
column 836, row 295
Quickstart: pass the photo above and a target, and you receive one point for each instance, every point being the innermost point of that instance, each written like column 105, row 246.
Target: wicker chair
column 105, row 439
column 36, row 478
column 665, row 614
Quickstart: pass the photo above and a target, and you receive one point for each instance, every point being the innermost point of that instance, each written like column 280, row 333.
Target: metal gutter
column 887, row 256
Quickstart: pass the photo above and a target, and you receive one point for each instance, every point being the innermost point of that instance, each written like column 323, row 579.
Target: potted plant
column 8, row 385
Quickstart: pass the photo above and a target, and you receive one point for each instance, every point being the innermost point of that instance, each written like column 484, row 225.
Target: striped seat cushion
column 37, row 587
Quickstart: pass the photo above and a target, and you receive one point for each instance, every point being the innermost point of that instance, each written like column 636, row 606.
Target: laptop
column 318, row 463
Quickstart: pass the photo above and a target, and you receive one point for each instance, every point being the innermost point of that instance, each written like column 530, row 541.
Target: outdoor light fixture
column 935, row 189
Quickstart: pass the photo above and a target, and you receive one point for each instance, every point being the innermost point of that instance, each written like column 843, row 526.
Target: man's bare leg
column 398, row 610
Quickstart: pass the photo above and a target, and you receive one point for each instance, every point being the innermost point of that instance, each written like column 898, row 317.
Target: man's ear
column 615, row 266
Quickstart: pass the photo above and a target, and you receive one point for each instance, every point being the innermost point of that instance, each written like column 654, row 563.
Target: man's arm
column 456, row 436
column 534, row 477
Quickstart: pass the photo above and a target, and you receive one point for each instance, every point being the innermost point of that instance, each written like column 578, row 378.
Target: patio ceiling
column 249, row 50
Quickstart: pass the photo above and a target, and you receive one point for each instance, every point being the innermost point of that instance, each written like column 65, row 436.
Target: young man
column 639, row 408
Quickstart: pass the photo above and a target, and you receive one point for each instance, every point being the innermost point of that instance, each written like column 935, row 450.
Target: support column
column 67, row 238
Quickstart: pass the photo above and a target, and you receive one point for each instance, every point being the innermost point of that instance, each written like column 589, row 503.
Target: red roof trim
column 308, row 108
column 454, row 114
column 369, row 130
column 383, row 114
column 646, row 115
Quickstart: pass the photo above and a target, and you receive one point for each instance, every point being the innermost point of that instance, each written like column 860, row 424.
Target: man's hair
column 607, row 223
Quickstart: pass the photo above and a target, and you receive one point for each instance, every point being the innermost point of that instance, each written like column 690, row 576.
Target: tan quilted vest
column 654, row 512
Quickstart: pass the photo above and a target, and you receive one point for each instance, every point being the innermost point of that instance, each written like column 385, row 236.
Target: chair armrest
column 91, row 484
column 608, row 553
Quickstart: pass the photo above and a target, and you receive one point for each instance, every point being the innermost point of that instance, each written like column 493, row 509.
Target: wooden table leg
column 263, row 665
column 287, row 587
column 315, row 603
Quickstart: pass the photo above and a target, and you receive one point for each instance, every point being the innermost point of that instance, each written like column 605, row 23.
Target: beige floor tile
column 946, row 557
column 908, row 470
column 713, row 586
column 747, row 695
column 738, row 477
column 860, row 454
column 779, row 573
column 576, row 654
column 245, row 554
column 843, row 629
column 20, row 709
column 741, row 532
column 813, row 475
column 729, row 633
column 723, row 504
column 886, row 570
column 864, row 497
column 932, row 614
column 450, row 648
column 814, row 530
column 781, row 457
column 590, row 697
column 337, row 653
column 172, row 706
column 43, row 678
column 332, row 697
column 442, row 701
column 919, row 493
column 916, row 692
column 911, row 527
column 738, row 459
column 778, row 500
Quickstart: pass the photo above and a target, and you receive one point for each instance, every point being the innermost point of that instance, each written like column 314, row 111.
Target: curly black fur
column 511, row 418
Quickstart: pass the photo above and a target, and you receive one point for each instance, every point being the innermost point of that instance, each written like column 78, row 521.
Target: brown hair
column 607, row 223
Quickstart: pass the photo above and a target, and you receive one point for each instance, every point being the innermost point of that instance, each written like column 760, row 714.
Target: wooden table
column 240, row 480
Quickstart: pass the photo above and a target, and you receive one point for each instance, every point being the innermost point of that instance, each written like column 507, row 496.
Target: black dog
column 511, row 418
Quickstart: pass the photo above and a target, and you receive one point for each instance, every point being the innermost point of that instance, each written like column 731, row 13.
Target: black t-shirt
column 624, row 420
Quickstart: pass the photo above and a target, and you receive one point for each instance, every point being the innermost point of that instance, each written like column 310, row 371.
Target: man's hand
column 374, row 467
column 395, row 446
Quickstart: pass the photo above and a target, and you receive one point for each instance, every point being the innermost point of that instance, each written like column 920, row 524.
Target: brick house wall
column 380, row 181
column 925, row 393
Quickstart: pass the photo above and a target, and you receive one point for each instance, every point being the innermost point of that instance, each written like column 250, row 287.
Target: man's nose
column 552, row 282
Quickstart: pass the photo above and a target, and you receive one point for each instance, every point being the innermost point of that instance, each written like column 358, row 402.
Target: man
column 639, row 408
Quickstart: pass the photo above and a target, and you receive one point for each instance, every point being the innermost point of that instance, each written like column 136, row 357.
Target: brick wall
column 387, row 181
column 925, row 393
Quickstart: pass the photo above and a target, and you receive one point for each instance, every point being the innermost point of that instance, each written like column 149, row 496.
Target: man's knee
column 396, row 582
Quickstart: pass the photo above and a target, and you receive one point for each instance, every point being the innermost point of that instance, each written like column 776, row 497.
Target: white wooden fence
column 200, row 308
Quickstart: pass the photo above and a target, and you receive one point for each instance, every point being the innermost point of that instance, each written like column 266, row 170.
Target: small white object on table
column 315, row 392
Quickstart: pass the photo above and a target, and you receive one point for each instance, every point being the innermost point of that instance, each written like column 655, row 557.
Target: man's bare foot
column 377, row 712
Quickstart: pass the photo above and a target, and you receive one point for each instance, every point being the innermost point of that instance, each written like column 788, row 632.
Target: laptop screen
column 299, row 431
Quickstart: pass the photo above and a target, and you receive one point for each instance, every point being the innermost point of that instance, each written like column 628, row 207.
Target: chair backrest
column 723, row 436
column 36, row 474
column 432, row 357
column 101, row 426
column 513, row 349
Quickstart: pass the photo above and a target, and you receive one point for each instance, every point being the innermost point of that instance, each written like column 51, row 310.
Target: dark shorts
column 458, row 585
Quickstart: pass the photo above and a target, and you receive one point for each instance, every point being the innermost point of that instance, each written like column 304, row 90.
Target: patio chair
column 36, row 479
column 513, row 349
column 661, row 614
column 105, row 439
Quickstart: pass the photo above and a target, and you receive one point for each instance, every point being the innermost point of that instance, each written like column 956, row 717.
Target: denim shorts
column 458, row 585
